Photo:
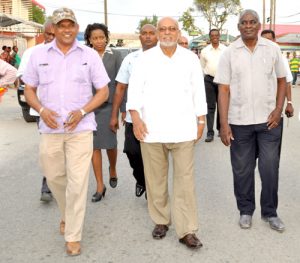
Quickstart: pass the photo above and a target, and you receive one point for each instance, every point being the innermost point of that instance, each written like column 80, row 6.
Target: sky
column 124, row 15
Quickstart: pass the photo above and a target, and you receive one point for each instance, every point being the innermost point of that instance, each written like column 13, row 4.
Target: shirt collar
column 212, row 48
column 240, row 43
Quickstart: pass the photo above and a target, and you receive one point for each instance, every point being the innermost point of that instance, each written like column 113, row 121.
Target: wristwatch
column 83, row 113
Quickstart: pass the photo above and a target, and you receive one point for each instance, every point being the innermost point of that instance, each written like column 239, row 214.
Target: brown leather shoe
column 191, row 241
column 159, row 231
column 73, row 248
column 62, row 225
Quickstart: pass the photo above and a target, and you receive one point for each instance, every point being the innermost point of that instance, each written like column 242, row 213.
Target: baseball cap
column 62, row 14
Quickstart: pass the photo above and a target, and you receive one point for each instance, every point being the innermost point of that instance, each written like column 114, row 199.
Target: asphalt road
column 118, row 229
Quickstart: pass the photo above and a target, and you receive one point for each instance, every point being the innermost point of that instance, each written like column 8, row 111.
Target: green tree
column 38, row 15
column 146, row 20
column 188, row 22
column 217, row 11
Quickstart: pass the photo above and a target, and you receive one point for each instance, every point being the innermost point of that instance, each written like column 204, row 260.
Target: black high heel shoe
column 98, row 195
column 113, row 181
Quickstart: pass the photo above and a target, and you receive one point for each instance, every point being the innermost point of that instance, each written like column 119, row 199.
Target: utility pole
column 264, row 14
column 271, row 14
column 274, row 14
column 105, row 13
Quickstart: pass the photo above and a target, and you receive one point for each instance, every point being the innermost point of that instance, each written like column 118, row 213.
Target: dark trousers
column 295, row 74
column 253, row 142
column 211, row 90
column 45, row 188
column 132, row 149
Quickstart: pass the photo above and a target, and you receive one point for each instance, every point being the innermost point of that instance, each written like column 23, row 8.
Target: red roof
column 38, row 4
column 285, row 29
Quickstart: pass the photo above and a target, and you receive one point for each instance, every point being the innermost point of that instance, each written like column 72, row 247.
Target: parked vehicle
column 25, row 107
column 124, row 50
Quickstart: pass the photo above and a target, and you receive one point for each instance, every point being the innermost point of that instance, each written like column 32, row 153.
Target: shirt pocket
column 46, row 78
column 80, row 84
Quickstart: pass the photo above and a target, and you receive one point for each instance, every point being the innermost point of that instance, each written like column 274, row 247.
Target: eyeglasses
column 183, row 43
column 165, row 29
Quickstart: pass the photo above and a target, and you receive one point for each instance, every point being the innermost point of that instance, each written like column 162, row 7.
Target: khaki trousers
column 65, row 160
column 156, row 165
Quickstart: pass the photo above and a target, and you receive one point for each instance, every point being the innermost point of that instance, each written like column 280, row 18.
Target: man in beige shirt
column 252, row 87
column 209, row 59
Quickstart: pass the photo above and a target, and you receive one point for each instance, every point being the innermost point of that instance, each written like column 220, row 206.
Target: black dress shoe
column 98, row 195
column 191, row 241
column 160, row 231
column 209, row 138
column 139, row 190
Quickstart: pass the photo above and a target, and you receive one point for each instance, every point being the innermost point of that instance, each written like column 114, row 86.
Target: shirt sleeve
column 30, row 75
column 123, row 74
column 279, row 64
column 289, row 76
column 197, row 81
column 135, row 87
column 8, row 73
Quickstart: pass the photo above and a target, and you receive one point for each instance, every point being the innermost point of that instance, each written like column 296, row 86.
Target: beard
column 168, row 43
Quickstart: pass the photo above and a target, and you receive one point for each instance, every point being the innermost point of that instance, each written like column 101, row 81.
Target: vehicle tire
column 27, row 117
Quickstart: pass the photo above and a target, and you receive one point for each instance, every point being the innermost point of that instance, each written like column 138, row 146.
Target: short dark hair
column 268, row 31
column 92, row 27
column 212, row 30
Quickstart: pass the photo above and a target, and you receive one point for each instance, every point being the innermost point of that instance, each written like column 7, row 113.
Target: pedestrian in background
column 183, row 41
column 209, row 58
column 166, row 100
column 132, row 147
column 252, row 88
column 64, row 72
column 97, row 36
column 294, row 65
column 16, row 60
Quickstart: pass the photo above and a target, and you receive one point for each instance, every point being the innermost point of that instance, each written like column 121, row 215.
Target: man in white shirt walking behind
column 209, row 59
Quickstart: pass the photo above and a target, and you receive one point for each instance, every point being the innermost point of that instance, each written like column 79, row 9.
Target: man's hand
column 274, row 118
column 74, row 117
column 226, row 134
column 49, row 118
column 200, row 129
column 114, row 124
column 289, row 110
column 139, row 129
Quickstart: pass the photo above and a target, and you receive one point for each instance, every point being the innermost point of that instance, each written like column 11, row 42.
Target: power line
column 112, row 14
column 290, row 15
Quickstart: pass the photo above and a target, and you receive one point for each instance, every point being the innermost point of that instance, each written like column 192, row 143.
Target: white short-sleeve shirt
column 252, row 77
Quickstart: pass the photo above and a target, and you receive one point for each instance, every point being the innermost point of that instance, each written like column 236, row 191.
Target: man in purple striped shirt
column 64, row 71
